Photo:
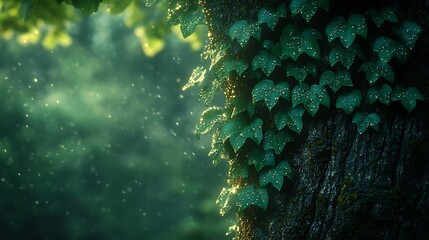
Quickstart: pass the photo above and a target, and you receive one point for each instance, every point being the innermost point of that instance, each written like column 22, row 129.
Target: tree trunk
column 348, row 185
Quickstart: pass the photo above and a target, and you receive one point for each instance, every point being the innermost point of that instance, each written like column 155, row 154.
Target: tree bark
column 348, row 185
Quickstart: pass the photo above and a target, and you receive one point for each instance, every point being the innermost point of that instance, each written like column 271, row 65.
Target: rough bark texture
column 347, row 185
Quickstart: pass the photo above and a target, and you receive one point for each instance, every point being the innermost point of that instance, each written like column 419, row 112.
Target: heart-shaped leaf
column 293, row 42
column 408, row 32
column 240, row 105
column 210, row 118
column 300, row 70
column 316, row 96
column 226, row 65
column 346, row 56
column 382, row 94
column 249, row 195
column 266, row 61
column 291, row 118
column 386, row 49
column 276, row 141
column 300, row 94
column 271, row 17
column 307, row 8
column 261, row 158
column 338, row 27
column 349, row 101
column 408, row 97
column 375, row 70
column 364, row 121
column 276, row 175
column 190, row 19
column 238, row 131
column 242, row 31
column 266, row 91
column 386, row 14
column 336, row 81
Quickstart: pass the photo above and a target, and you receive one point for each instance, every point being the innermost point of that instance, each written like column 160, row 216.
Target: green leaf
column 266, row 61
column 376, row 70
column 291, row 118
column 197, row 77
column 261, row 158
column 271, row 17
column 238, row 131
column 408, row 97
column 346, row 31
column 210, row 118
column 239, row 170
column 190, row 19
column 117, row 6
column 346, row 56
column 300, row 94
column 276, row 175
column 300, row 70
column 310, row 97
column 386, row 49
column 226, row 65
column 385, row 14
column 364, row 121
column 408, row 32
column 293, row 42
column 276, row 141
column 316, row 96
column 307, row 8
column 349, row 101
column 242, row 31
column 269, row 93
column 207, row 93
column 382, row 94
column 217, row 151
column 86, row 6
column 249, row 195
column 336, row 81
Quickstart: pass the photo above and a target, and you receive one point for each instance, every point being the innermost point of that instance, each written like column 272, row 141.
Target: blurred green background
column 97, row 142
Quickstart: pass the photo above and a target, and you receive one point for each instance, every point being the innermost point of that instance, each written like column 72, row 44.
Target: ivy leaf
column 408, row 97
column 364, row 121
column 217, row 151
column 276, row 141
column 271, row 17
column 349, row 101
column 249, row 195
column 197, row 77
column 300, row 94
column 266, row 91
column 239, row 170
column 293, row 42
column 291, row 118
column 300, row 70
column 408, row 32
column 266, row 61
column 307, row 8
column 210, row 117
column 261, row 158
column 376, row 70
column 336, row 81
column 385, row 14
column 382, row 94
column 242, row 31
column 226, row 65
column 276, row 175
column 386, row 49
column 346, row 56
column 316, row 96
column 190, row 19
column 238, row 131
column 338, row 27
